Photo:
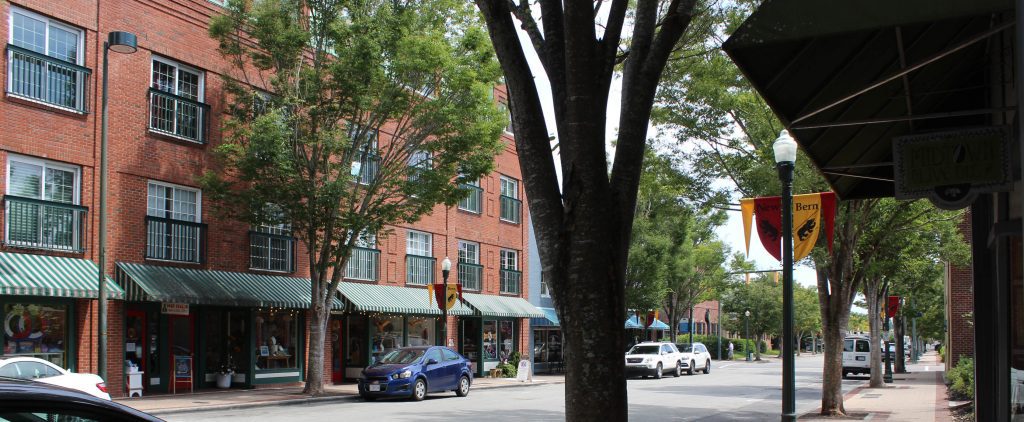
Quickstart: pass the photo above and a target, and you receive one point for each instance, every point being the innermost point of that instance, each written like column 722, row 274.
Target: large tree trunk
column 832, row 372
column 875, row 330
column 318, row 319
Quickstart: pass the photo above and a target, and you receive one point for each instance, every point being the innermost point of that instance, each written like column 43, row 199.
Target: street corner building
column 196, row 301
column 916, row 100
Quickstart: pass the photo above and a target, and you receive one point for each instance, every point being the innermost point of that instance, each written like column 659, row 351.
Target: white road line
column 726, row 366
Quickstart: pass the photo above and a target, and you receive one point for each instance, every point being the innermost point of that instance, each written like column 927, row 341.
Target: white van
column 856, row 355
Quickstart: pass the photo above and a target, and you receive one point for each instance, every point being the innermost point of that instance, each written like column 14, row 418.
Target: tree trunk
column 757, row 346
column 832, row 373
column 315, row 363
column 900, row 330
column 799, row 342
column 875, row 330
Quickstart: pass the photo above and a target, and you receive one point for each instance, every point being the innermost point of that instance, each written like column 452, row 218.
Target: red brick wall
column 960, row 305
column 177, row 30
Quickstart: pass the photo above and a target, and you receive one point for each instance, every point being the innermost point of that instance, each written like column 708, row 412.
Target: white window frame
column 200, row 97
column 365, row 241
column 501, row 257
column 199, row 218
column 480, row 200
column 508, row 129
column 77, row 197
column 545, row 291
column 79, row 60
column 281, row 229
column 513, row 181
column 410, row 244
column 221, row 3
column 476, row 245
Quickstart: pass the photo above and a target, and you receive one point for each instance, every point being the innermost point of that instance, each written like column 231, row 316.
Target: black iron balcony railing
column 49, row 80
column 271, row 252
column 470, row 275
column 510, row 281
column 472, row 202
column 177, row 116
column 511, row 208
column 368, row 168
column 168, row 239
column 419, row 270
column 363, row 264
column 37, row 224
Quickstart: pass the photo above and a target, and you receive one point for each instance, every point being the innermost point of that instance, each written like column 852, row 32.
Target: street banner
column 806, row 224
column 747, row 208
column 894, row 305
column 768, row 212
column 651, row 316
column 828, row 211
column 430, row 294
column 452, row 296
column 439, row 295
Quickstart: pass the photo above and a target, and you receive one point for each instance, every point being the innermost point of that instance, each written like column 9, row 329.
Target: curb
column 307, row 400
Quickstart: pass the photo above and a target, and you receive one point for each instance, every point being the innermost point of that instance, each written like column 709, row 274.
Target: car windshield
column 685, row 348
column 645, row 350
column 402, row 356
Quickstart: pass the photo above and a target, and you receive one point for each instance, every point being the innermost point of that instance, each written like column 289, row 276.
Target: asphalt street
column 733, row 391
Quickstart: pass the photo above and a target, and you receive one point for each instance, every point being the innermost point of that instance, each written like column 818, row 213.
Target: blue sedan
column 415, row 371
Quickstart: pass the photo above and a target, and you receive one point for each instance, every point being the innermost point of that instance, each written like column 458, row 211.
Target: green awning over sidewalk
column 502, row 306
column 360, row 297
column 207, row 287
column 55, row 276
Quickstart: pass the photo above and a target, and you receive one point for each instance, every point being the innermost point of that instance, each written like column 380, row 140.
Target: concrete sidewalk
column 918, row 395
column 204, row 400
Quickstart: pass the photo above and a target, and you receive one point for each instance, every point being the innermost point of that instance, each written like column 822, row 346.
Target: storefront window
column 508, row 339
column 547, row 346
column 421, row 331
column 37, row 330
column 356, row 335
column 387, row 335
column 470, row 338
column 490, row 340
column 277, row 337
column 225, row 331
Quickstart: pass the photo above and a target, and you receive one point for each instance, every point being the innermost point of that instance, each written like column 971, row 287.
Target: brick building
column 192, row 292
column 959, row 283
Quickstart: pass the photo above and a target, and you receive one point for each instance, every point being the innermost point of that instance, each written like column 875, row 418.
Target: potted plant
column 225, row 373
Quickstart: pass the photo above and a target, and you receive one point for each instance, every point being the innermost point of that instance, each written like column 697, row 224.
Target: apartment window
column 366, row 162
column 473, row 201
column 176, row 101
column 41, row 206
column 271, row 246
column 419, row 258
column 544, row 292
column 507, row 112
column 510, row 203
column 365, row 259
column 173, row 228
column 471, row 273
column 44, row 61
column 511, row 278
column 419, row 161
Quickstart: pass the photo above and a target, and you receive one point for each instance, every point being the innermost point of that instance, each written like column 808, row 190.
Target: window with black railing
column 473, row 202
column 470, row 275
column 363, row 264
column 510, row 205
column 176, row 105
column 173, row 228
column 271, row 250
column 38, row 224
column 46, row 79
column 419, row 270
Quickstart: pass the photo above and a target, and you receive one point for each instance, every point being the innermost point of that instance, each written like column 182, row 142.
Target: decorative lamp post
column 124, row 43
column 785, row 159
column 446, row 268
column 747, row 346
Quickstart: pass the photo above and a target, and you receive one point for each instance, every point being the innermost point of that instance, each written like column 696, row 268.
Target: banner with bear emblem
column 811, row 213
column 806, row 224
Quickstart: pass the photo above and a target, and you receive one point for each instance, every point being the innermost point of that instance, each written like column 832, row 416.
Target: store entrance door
column 335, row 333
column 181, row 336
column 135, row 342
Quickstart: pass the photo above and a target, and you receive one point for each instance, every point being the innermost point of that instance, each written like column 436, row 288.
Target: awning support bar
column 859, row 176
column 890, row 78
column 879, row 120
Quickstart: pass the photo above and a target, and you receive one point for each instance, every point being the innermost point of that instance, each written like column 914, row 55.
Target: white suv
column 694, row 357
column 653, row 358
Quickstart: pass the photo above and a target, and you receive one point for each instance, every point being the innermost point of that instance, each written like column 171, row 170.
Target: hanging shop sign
column 951, row 168
column 174, row 308
column 445, row 299
column 812, row 213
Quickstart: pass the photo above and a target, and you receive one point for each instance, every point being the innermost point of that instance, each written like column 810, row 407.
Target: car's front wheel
column 463, row 389
column 658, row 371
column 419, row 390
column 707, row 367
column 689, row 371
column 679, row 369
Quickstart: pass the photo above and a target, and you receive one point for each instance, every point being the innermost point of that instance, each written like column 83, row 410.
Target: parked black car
column 32, row 401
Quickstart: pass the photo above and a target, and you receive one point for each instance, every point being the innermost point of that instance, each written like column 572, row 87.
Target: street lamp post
column 785, row 159
column 446, row 268
column 747, row 323
column 119, row 42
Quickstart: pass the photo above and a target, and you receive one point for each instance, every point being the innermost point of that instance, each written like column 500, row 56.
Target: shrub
column 508, row 370
column 961, row 379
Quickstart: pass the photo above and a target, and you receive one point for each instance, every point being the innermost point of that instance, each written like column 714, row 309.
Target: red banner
column 439, row 294
column 828, row 211
column 651, row 316
column 894, row 305
column 768, row 212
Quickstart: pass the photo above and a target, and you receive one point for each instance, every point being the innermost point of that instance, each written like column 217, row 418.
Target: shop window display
column 386, row 332
column 421, row 331
column 356, row 335
column 490, row 340
column 276, row 339
column 37, row 330
column 547, row 346
column 470, row 337
column 508, row 339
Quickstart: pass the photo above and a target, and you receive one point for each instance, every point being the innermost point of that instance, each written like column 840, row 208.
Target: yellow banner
column 747, row 207
column 806, row 224
column 452, row 296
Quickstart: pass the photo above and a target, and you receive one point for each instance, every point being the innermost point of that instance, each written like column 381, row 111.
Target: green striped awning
column 43, row 275
column 360, row 297
column 207, row 287
column 502, row 306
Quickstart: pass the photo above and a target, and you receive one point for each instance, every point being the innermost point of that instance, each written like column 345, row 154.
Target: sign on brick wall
column 174, row 308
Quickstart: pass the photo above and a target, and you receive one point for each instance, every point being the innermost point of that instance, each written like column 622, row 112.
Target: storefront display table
column 275, row 362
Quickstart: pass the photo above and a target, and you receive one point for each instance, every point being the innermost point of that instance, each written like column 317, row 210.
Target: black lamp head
column 122, row 42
